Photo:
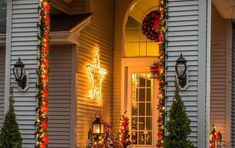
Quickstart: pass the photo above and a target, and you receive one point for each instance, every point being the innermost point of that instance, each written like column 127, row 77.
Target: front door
column 142, row 107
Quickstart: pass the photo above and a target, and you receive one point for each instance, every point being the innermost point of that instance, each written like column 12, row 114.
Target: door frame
column 137, row 65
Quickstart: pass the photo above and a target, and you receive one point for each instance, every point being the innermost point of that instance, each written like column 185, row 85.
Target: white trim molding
column 8, row 56
column 228, row 58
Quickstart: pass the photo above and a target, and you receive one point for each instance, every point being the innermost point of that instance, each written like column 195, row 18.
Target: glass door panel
column 141, row 107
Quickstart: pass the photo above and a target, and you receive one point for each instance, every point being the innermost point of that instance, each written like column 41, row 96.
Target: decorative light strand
column 161, row 74
column 42, row 96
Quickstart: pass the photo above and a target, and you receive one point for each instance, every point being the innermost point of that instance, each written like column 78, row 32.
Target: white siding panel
column 60, row 89
column 24, row 44
column 2, row 76
column 183, row 38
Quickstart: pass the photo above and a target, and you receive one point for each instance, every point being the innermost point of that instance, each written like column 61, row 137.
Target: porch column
column 22, row 41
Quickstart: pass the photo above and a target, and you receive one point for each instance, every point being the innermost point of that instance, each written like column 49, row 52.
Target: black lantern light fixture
column 19, row 73
column 97, row 125
column 181, row 69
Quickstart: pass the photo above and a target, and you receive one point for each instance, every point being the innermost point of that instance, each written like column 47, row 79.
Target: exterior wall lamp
column 181, row 71
column 97, row 125
column 21, row 76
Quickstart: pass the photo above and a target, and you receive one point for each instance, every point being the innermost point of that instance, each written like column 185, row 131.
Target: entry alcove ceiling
column 226, row 8
column 141, row 8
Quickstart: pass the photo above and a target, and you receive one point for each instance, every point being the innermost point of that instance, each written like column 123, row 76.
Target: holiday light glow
column 124, row 135
column 42, row 96
column 96, row 74
column 158, row 70
column 215, row 138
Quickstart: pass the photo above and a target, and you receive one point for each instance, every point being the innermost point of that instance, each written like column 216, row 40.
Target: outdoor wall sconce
column 97, row 125
column 20, row 75
column 181, row 71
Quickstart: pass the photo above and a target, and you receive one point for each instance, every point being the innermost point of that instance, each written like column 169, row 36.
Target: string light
column 42, row 96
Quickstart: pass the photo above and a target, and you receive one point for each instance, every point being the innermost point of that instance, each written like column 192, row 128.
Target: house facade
column 202, row 30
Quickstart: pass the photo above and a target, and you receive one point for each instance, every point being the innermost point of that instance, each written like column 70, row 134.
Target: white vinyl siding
column 183, row 37
column 60, row 98
column 233, row 89
column 2, row 76
column 23, row 38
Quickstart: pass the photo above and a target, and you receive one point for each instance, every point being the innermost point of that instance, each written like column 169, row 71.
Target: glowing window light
column 96, row 74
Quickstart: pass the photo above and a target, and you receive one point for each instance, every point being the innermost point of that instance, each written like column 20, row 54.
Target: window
column 141, row 104
column 2, row 16
column 136, row 44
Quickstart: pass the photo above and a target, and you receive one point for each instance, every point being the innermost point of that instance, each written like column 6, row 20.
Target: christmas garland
column 42, row 96
column 158, row 68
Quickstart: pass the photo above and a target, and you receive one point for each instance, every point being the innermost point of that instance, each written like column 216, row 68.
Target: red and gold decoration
column 42, row 96
column 154, row 27
column 215, row 138
column 124, row 135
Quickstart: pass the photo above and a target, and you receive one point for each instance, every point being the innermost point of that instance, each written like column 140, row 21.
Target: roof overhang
column 61, row 37
column 71, row 36
column 226, row 8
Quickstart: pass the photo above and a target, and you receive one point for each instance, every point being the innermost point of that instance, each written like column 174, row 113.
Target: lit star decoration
column 96, row 74
column 158, row 33
column 42, row 96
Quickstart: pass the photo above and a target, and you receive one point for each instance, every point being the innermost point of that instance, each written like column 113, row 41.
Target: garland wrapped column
column 161, row 78
column 42, row 96
column 154, row 28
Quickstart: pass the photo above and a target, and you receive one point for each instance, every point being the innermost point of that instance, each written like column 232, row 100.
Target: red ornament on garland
column 43, row 145
column 46, row 47
column 160, row 135
column 44, row 124
column 45, row 108
column 47, row 20
column 45, row 93
column 47, row 7
column 45, row 139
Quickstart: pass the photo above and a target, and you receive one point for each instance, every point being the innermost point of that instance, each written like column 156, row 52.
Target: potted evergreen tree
column 178, row 126
column 10, row 136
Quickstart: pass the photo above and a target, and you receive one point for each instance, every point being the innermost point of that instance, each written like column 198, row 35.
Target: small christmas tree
column 10, row 135
column 124, row 136
column 178, row 125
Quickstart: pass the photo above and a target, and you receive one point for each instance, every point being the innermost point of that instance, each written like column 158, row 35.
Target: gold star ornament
column 96, row 74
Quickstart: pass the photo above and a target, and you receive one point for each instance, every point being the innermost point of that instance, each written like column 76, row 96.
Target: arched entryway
column 139, row 95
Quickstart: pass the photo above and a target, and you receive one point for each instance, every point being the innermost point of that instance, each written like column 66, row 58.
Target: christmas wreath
column 151, row 26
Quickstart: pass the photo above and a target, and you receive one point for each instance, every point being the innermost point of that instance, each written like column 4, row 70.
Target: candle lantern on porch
column 97, row 125
column 181, row 69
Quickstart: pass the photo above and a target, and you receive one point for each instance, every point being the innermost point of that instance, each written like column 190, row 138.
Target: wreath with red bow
column 151, row 26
